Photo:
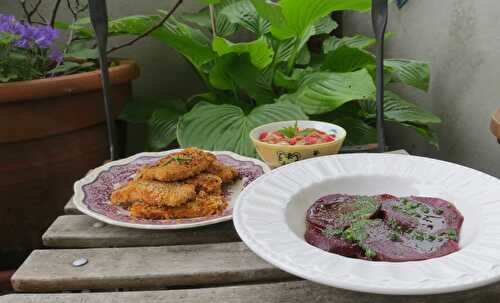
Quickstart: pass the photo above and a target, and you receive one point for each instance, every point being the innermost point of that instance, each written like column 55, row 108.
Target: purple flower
column 56, row 55
column 29, row 35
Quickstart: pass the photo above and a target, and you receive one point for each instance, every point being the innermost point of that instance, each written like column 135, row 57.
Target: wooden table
column 207, row 264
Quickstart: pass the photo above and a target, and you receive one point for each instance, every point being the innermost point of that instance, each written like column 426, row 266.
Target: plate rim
column 348, row 285
column 93, row 174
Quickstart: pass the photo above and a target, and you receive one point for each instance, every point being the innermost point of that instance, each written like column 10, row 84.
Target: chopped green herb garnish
column 452, row 234
column 438, row 211
column 370, row 253
column 431, row 237
column 418, row 235
column 331, row 232
column 178, row 159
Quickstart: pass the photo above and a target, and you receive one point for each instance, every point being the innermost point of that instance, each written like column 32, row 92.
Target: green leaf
column 358, row 131
column 273, row 13
column 358, row 41
column 325, row 25
column 227, row 127
column 66, row 67
column 244, row 13
column 256, row 83
column 300, row 14
column 219, row 76
column 322, row 92
column 410, row 72
column 261, row 55
column 162, row 128
column 291, row 82
column 284, row 50
column 347, row 59
column 190, row 42
column 426, row 132
column 399, row 110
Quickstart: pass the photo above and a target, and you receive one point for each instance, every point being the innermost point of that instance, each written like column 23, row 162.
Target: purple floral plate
column 93, row 192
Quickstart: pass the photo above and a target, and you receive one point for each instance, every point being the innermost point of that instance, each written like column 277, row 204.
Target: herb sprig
column 178, row 159
column 290, row 131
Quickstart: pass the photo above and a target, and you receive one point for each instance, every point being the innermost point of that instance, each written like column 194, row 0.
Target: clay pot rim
column 124, row 72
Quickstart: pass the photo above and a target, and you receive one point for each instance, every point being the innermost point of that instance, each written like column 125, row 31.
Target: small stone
column 98, row 224
column 79, row 262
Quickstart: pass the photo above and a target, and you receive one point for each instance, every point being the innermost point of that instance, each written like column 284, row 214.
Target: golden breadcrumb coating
column 178, row 166
column 203, row 205
column 206, row 182
column 153, row 193
column 227, row 173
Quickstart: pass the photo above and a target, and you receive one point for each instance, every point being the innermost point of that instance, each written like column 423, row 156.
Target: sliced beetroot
column 332, row 243
column 340, row 211
column 431, row 215
column 382, row 243
column 384, row 227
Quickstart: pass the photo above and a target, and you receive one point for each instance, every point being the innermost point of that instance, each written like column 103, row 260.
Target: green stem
column 293, row 58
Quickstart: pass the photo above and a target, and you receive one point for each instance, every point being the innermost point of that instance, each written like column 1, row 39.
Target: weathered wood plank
column 143, row 267
column 70, row 208
column 290, row 292
column 84, row 232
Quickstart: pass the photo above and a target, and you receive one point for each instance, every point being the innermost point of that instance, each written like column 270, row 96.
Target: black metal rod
column 379, row 19
column 99, row 18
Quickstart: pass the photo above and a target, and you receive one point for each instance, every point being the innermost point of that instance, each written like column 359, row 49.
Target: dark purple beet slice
column 317, row 238
column 432, row 215
column 336, row 213
column 377, row 240
column 339, row 211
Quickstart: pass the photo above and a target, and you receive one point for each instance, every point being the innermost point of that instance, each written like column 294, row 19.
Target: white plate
column 270, row 218
column 93, row 192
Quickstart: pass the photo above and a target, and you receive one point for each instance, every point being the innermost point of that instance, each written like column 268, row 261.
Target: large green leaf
column 399, row 110
column 322, row 92
column 426, row 132
column 219, row 76
column 273, row 13
column 256, row 83
column 410, row 72
column 294, row 18
column 227, row 127
column 358, row 41
column 190, row 42
column 300, row 14
column 292, row 82
column 244, row 13
column 358, row 131
column 347, row 59
column 162, row 128
column 261, row 54
column 223, row 26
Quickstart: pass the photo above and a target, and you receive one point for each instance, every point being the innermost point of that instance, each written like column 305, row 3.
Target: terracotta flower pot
column 495, row 124
column 52, row 131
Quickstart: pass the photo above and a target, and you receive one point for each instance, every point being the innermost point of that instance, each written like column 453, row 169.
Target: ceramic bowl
column 277, row 155
column 495, row 124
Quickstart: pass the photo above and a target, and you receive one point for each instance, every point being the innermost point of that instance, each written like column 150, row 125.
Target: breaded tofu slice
column 178, row 166
column 204, row 205
column 227, row 173
column 153, row 193
column 206, row 182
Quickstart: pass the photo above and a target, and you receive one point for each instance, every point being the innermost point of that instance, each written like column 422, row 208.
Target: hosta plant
column 272, row 76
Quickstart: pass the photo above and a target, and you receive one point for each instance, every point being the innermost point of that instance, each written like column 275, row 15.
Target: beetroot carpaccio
column 384, row 227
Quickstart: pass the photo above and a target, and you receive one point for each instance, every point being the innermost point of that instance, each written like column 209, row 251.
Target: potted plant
column 52, row 128
column 273, row 75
